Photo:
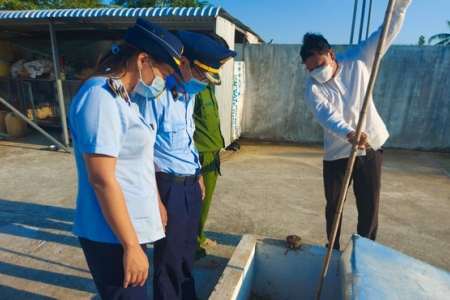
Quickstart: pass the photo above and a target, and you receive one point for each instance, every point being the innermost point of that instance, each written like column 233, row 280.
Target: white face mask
column 322, row 74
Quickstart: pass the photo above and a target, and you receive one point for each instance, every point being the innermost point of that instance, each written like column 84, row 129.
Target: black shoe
column 233, row 146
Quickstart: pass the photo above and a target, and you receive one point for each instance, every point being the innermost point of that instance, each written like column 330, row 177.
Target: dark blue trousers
column 105, row 261
column 174, row 255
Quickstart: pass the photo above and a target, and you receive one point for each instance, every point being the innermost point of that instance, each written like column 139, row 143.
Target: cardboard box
column 6, row 53
column 5, row 68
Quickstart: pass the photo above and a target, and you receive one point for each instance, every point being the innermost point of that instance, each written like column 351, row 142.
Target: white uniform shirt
column 337, row 103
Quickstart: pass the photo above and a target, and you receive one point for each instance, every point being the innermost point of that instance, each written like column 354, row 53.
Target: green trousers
column 210, row 163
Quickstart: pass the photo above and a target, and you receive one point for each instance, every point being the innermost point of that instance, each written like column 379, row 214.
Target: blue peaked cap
column 156, row 41
column 204, row 52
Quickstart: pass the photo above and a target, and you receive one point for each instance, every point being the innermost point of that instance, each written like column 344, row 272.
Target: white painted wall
column 224, row 92
column 412, row 95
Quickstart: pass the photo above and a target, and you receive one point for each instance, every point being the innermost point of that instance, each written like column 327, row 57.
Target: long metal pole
column 355, row 7
column 351, row 160
column 369, row 14
column 361, row 24
column 59, row 88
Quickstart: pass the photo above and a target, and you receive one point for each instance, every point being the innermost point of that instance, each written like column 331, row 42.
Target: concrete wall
column 412, row 95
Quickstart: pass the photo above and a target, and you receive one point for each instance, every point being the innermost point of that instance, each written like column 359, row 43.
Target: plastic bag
column 17, row 67
column 38, row 67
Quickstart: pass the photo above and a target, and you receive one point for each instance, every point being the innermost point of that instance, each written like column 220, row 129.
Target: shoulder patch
column 117, row 91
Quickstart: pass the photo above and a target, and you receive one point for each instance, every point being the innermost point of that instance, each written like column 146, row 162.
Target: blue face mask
column 194, row 86
column 154, row 90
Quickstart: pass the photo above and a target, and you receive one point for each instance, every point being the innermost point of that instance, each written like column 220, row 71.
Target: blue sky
column 285, row 21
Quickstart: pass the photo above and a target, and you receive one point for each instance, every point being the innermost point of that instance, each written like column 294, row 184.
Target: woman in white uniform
column 118, row 208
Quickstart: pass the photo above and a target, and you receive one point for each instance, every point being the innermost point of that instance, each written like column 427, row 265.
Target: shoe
column 233, row 146
column 206, row 263
column 208, row 243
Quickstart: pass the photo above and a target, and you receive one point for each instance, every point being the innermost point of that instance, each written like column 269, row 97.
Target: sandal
column 208, row 243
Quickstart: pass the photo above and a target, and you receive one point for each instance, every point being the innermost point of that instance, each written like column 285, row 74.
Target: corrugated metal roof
column 20, row 24
column 112, row 12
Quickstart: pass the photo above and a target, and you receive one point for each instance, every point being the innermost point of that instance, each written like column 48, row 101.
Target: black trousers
column 105, row 261
column 366, row 178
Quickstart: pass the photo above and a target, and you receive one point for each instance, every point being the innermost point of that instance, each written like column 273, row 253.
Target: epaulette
column 117, row 91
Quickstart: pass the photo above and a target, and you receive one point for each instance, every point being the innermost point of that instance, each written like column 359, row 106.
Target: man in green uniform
column 209, row 141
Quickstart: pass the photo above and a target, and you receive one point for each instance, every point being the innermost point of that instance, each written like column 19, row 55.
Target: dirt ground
column 268, row 189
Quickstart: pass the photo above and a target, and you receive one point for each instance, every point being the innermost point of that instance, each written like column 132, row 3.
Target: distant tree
column 17, row 5
column 444, row 38
column 159, row 3
column 421, row 41
column 187, row 3
column 58, row 4
column 48, row 4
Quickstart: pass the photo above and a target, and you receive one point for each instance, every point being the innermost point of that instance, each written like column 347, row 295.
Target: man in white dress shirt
column 335, row 94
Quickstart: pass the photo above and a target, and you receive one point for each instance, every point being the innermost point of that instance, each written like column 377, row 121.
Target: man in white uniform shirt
column 335, row 94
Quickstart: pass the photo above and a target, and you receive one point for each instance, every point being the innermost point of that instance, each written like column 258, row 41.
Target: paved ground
column 267, row 189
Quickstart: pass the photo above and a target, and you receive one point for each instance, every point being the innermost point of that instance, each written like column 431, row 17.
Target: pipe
column 369, row 14
column 355, row 7
column 351, row 160
column 363, row 11
column 59, row 88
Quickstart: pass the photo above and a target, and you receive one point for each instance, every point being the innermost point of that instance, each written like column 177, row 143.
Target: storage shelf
column 31, row 93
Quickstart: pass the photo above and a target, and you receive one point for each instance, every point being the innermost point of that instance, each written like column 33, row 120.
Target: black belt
column 165, row 176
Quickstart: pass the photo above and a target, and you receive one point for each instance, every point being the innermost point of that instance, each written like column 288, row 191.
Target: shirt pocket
column 210, row 115
column 207, row 109
column 175, row 134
